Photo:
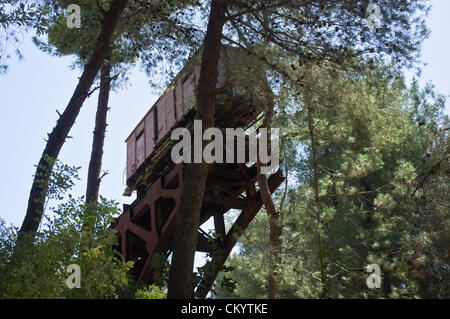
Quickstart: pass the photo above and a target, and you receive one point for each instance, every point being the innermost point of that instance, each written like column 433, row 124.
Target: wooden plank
column 149, row 133
column 225, row 201
column 179, row 100
column 189, row 93
column 169, row 100
column 161, row 118
column 140, row 149
column 219, row 225
column 222, row 172
column 131, row 155
column 202, row 243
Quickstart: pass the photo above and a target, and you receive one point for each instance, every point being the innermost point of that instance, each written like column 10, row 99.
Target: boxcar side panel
column 170, row 109
column 140, row 145
column 131, row 155
column 149, row 133
column 161, row 118
column 179, row 99
column 189, row 90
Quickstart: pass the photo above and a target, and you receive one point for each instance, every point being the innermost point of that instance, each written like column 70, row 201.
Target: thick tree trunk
column 95, row 164
column 60, row 132
column 275, row 232
column 275, row 222
column 185, row 238
column 315, row 163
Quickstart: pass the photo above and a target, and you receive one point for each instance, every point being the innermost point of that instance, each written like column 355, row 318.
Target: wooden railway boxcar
column 147, row 225
column 242, row 82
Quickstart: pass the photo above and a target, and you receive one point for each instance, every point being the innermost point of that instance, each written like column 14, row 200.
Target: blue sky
column 38, row 85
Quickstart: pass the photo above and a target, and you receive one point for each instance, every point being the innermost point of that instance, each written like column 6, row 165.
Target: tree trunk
column 60, row 132
column 95, row 164
column 275, row 222
column 185, row 238
column 275, row 232
column 311, row 127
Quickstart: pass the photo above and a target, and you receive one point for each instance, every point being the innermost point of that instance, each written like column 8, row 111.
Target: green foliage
column 382, row 153
column 55, row 179
column 160, row 268
column 80, row 42
column 151, row 292
column 383, row 185
column 34, row 265
column 62, row 178
column 16, row 17
column 145, row 33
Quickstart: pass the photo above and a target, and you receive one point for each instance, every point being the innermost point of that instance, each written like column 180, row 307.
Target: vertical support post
column 219, row 225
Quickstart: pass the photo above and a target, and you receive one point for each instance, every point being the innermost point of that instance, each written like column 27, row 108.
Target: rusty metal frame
column 225, row 187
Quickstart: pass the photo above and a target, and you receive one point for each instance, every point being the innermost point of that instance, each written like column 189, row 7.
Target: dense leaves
column 376, row 207
column 34, row 265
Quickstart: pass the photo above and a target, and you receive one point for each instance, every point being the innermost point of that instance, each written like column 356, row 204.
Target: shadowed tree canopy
column 280, row 32
column 315, row 32
column 376, row 140
column 110, row 28
column 143, row 27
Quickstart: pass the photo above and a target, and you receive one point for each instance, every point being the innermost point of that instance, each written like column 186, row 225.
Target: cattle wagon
column 146, row 226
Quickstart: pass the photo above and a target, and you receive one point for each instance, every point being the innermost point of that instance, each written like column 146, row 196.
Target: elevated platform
column 147, row 226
